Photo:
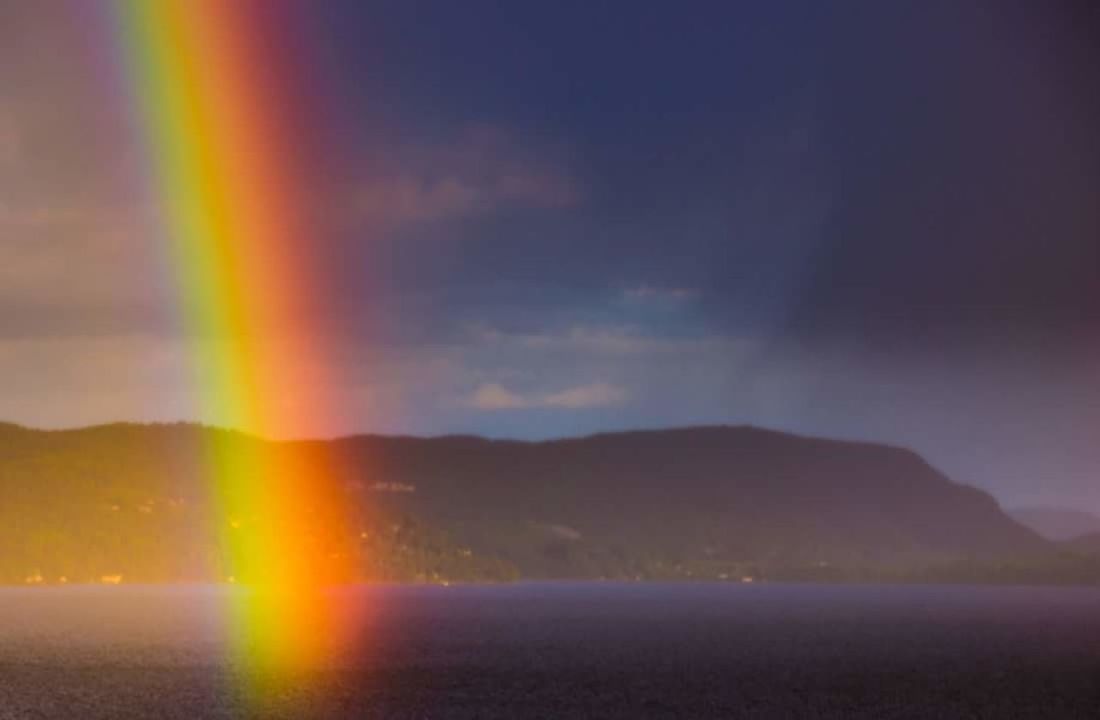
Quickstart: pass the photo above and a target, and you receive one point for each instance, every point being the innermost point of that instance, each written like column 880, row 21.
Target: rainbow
column 206, row 80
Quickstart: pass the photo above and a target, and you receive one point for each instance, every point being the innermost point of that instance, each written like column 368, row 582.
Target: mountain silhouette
column 718, row 503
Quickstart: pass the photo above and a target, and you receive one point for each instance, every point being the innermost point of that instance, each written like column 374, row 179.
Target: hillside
column 687, row 500
column 1084, row 544
column 713, row 503
column 1057, row 523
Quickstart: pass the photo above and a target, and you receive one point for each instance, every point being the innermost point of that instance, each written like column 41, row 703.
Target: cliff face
column 712, row 502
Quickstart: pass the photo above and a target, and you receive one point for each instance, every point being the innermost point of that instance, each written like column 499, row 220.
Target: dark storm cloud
column 961, row 141
column 863, row 174
column 682, row 137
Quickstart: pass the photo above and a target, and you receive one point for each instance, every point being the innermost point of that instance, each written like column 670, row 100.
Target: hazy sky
column 866, row 220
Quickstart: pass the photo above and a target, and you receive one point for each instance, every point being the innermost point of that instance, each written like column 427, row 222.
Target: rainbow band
column 205, row 81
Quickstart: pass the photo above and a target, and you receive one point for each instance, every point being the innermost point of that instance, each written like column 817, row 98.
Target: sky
column 876, row 221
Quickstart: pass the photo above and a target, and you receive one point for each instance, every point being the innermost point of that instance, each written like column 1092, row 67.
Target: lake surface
column 561, row 650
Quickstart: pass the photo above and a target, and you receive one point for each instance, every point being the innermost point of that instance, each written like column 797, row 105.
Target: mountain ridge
column 702, row 502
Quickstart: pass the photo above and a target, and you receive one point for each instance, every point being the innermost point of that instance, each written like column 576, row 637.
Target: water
column 575, row 650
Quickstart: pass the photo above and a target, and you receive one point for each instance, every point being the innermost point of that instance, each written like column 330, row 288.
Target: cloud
column 587, row 396
column 493, row 396
column 657, row 294
column 76, row 257
column 594, row 340
column 481, row 171
column 72, row 268
column 612, row 341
